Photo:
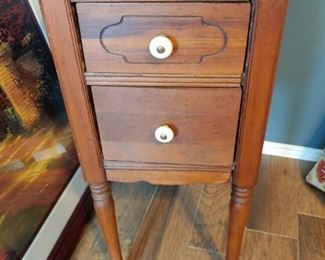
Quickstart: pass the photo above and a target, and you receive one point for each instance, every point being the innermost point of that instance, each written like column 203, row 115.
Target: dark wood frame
column 267, row 23
column 72, row 231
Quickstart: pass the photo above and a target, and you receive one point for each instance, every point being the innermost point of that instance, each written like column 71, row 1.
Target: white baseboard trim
column 291, row 151
column 53, row 226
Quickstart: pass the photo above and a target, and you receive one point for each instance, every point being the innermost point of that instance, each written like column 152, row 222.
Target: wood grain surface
column 129, row 217
column 169, row 177
column 208, row 38
column 187, row 230
column 158, row 80
column 204, row 120
column 211, row 221
column 266, row 246
column 69, row 66
column 105, row 211
column 174, row 230
column 269, row 212
column 311, row 237
column 105, row 1
column 265, row 39
column 204, row 123
column 147, row 245
column 268, row 19
column 311, row 201
column 131, row 165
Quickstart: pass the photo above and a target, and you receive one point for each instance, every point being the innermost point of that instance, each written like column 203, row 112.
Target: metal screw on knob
column 163, row 136
column 161, row 47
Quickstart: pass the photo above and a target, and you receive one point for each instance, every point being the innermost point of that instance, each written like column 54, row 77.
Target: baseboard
column 291, row 151
column 55, row 224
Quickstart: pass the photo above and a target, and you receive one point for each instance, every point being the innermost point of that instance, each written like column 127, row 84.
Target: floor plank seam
column 297, row 242
column 195, row 216
column 311, row 234
column 243, row 241
column 269, row 233
column 143, row 220
column 310, row 215
column 206, row 250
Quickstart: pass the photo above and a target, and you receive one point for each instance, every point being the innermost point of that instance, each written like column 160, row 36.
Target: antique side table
column 168, row 92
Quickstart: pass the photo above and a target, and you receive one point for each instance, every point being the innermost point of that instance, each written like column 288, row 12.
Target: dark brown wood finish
column 169, row 177
column 69, row 237
column 59, row 18
column 204, row 122
column 267, row 27
column 149, row 1
column 105, row 211
column 132, row 102
column 268, row 24
column 208, row 38
column 131, row 165
column 158, row 80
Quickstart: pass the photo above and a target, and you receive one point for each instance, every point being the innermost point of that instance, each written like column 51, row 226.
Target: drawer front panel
column 204, row 122
column 206, row 38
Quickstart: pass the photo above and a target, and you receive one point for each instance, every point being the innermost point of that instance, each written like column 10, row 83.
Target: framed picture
column 37, row 153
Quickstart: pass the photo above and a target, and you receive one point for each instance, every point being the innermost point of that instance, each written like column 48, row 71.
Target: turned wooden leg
column 104, row 207
column 238, row 216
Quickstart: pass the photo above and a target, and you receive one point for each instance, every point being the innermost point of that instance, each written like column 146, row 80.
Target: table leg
column 238, row 215
column 105, row 211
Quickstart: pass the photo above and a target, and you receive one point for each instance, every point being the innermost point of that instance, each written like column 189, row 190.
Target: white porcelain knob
column 161, row 47
column 164, row 134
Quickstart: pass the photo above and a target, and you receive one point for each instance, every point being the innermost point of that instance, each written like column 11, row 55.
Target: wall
column 297, row 113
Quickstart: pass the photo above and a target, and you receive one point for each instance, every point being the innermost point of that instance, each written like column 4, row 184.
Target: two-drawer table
column 168, row 92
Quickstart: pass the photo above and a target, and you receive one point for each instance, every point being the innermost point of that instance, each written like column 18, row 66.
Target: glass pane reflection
column 37, row 154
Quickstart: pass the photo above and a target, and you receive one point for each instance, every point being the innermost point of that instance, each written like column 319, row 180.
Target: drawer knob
column 164, row 134
column 161, row 47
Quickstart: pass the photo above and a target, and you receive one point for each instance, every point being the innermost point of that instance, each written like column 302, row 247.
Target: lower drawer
column 202, row 125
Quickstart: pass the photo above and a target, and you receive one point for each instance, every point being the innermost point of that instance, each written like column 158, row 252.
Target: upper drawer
column 206, row 38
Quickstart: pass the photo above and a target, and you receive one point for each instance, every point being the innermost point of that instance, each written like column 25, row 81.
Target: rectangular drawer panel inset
column 204, row 38
column 204, row 123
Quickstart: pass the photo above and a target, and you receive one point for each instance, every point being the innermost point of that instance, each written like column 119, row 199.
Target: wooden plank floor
column 281, row 193
column 132, row 201
column 287, row 220
column 311, row 237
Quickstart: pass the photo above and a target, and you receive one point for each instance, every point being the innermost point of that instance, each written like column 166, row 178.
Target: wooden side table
column 169, row 92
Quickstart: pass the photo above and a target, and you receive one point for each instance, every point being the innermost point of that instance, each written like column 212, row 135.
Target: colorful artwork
column 37, row 154
column 316, row 176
